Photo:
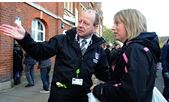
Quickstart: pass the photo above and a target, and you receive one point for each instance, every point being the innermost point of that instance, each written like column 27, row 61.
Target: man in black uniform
column 165, row 70
column 17, row 64
column 79, row 55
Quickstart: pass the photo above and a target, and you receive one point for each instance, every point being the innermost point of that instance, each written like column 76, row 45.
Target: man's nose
column 81, row 24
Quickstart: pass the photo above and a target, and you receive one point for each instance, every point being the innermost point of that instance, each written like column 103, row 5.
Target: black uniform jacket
column 69, row 58
column 165, row 58
column 133, row 73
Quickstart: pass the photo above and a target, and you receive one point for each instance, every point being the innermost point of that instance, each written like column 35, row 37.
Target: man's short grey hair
column 96, row 20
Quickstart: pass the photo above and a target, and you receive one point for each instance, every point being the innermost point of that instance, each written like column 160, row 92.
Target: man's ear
column 95, row 28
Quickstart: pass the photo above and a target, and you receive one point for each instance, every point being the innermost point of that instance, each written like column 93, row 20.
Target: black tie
column 83, row 47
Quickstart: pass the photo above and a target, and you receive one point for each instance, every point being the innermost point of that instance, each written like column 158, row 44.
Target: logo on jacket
column 95, row 60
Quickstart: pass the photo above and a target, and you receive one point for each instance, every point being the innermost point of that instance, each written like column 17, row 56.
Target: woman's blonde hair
column 133, row 20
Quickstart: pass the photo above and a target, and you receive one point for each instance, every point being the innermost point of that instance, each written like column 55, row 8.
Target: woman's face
column 119, row 30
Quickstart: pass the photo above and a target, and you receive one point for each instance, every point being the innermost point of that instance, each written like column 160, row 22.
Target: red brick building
column 43, row 20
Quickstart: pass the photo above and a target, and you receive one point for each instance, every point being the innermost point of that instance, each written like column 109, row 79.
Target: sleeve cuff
column 98, row 91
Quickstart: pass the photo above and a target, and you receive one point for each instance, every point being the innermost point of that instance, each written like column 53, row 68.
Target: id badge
column 76, row 81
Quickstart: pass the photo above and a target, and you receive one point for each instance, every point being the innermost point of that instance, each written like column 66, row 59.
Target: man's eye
column 86, row 23
column 79, row 21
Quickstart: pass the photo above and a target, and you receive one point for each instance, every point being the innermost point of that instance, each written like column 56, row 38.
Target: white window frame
column 68, row 6
column 83, row 7
column 36, row 31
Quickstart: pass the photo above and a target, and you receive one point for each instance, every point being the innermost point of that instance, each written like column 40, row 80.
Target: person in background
column 29, row 69
column 115, row 51
column 17, row 64
column 45, row 66
column 108, row 53
column 134, row 71
column 79, row 55
column 165, row 68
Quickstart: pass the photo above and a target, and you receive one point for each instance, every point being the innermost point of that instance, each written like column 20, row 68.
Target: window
column 69, row 12
column 38, row 30
column 82, row 7
column 68, row 6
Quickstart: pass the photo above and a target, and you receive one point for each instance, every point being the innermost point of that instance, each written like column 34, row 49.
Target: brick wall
column 27, row 13
column 6, row 43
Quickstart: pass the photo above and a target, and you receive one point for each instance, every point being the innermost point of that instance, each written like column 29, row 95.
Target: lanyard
column 77, row 72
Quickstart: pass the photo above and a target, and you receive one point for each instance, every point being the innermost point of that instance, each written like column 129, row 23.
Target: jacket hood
column 150, row 40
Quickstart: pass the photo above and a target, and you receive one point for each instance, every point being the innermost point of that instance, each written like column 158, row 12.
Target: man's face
column 85, row 25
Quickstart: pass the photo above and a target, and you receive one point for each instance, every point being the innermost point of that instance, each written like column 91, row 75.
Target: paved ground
column 21, row 94
column 159, row 79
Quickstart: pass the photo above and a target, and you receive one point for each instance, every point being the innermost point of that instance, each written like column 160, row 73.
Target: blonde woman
column 133, row 72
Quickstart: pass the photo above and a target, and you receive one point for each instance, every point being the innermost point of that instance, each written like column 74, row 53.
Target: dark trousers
column 17, row 77
column 29, row 73
column 44, row 72
column 166, row 88
column 67, row 95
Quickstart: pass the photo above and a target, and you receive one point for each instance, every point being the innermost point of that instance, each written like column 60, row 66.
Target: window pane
column 33, row 24
column 38, row 30
column 40, row 27
column 33, row 34
column 40, row 36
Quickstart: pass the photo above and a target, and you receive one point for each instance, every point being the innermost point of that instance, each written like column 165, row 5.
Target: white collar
column 89, row 41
